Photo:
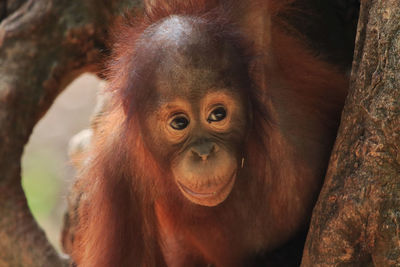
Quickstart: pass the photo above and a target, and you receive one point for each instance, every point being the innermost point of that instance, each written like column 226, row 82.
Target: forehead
column 187, row 81
column 191, row 62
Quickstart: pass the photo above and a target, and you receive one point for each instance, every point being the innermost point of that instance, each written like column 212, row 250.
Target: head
column 190, row 98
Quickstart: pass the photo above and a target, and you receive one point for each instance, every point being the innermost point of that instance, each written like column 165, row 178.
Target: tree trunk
column 44, row 44
column 356, row 221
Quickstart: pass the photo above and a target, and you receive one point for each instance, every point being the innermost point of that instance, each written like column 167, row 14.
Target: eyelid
column 212, row 107
column 218, row 105
column 177, row 113
column 174, row 108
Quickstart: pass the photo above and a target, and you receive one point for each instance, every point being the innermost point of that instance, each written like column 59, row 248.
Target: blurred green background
column 47, row 173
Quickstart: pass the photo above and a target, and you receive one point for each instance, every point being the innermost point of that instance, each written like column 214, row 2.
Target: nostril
column 200, row 155
column 204, row 157
column 212, row 149
column 203, row 151
column 215, row 148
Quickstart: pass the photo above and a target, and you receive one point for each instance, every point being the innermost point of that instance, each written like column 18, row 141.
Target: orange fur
column 132, row 215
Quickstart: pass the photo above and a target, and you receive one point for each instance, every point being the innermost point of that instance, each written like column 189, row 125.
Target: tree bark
column 44, row 44
column 356, row 221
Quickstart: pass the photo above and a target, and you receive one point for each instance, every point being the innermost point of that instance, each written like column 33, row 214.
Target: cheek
column 238, row 129
column 155, row 139
column 239, row 121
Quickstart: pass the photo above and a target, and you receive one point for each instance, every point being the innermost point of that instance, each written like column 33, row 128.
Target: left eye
column 218, row 114
column 179, row 123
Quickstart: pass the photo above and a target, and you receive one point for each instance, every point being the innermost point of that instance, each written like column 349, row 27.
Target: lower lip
column 208, row 195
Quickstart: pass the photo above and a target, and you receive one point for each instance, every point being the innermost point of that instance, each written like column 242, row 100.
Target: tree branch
column 44, row 45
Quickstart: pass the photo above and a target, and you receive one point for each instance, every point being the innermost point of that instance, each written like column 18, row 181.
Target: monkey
column 199, row 160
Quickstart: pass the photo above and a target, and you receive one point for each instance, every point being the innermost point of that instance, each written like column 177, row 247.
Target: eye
column 180, row 122
column 218, row 114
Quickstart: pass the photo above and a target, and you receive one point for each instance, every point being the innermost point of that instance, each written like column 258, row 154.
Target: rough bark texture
column 357, row 219
column 44, row 44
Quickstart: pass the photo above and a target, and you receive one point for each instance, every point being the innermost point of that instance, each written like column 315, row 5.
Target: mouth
column 210, row 196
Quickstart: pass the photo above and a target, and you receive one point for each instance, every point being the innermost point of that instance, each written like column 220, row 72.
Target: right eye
column 217, row 114
column 180, row 122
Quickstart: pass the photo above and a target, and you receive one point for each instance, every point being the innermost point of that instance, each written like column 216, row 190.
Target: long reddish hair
column 117, row 219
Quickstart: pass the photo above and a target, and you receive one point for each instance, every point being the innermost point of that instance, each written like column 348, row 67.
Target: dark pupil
column 217, row 114
column 179, row 123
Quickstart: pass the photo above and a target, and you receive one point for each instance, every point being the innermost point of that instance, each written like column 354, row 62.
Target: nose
column 204, row 150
